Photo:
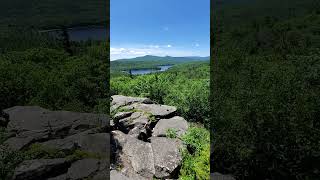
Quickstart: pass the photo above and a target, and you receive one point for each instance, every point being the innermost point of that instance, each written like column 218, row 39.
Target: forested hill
column 149, row 61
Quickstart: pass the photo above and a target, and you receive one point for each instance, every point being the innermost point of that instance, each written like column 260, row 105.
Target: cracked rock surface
column 140, row 148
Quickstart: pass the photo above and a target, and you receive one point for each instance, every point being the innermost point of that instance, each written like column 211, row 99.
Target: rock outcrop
column 63, row 132
column 140, row 148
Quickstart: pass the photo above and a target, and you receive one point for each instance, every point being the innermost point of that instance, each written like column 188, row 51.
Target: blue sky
column 159, row 27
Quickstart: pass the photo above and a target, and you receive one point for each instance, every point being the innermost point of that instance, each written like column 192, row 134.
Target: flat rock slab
column 139, row 153
column 16, row 143
column 167, row 157
column 58, row 123
column 156, row 110
column 98, row 143
column 218, row 176
column 83, row 169
column 60, row 177
column 40, row 169
column 136, row 119
column 177, row 123
column 116, row 175
column 119, row 100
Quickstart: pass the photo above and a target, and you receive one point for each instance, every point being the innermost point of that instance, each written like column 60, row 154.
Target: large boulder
column 157, row 110
column 55, row 123
column 83, row 169
column 139, row 153
column 98, row 143
column 40, row 169
column 119, row 100
column 136, row 119
column 18, row 143
column 167, row 157
column 179, row 124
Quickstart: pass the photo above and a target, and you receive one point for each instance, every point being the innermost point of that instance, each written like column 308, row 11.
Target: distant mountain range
column 166, row 58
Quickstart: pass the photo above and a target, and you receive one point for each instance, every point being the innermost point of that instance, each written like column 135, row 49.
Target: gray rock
column 119, row 100
column 40, row 169
column 101, row 175
column 136, row 119
column 139, row 132
column 83, row 168
column 121, row 115
column 57, row 123
column 139, row 153
column 115, row 175
column 177, row 123
column 95, row 143
column 167, row 157
column 218, row 176
column 60, row 177
column 155, row 109
column 17, row 143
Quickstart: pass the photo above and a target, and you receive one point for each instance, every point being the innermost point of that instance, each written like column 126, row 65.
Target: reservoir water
column 161, row 68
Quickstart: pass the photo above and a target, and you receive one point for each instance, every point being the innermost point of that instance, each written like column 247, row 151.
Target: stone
column 16, row 143
column 98, row 143
column 115, row 175
column 119, row 100
column 139, row 153
column 167, row 157
column 139, row 132
column 179, row 124
column 136, row 119
column 56, row 123
column 219, row 176
column 156, row 110
column 121, row 115
column 40, row 169
column 82, row 169
column 60, row 177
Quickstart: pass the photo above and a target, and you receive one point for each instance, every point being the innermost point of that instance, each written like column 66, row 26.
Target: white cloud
column 156, row 50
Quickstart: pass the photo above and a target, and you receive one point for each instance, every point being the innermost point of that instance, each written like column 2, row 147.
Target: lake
column 149, row 71
column 81, row 33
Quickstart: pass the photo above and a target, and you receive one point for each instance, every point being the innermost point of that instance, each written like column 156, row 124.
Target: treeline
column 265, row 97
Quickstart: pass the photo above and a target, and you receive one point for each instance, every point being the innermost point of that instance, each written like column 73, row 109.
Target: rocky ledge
column 140, row 146
column 83, row 138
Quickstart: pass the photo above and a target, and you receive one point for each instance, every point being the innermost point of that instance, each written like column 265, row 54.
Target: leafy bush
column 171, row 133
column 196, row 154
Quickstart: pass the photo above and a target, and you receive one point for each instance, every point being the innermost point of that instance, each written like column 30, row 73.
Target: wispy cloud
column 142, row 50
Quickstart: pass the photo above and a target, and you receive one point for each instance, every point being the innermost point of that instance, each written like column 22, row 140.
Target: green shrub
column 171, row 133
column 196, row 155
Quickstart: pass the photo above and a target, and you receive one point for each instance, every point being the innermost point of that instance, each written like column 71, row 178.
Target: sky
column 159, row 27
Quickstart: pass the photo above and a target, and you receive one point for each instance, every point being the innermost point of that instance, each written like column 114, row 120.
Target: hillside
column 149, row 61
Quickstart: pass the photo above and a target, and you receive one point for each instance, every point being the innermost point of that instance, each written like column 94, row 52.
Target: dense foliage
column 196, row 155
column 265, row 95
column 47, row 76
